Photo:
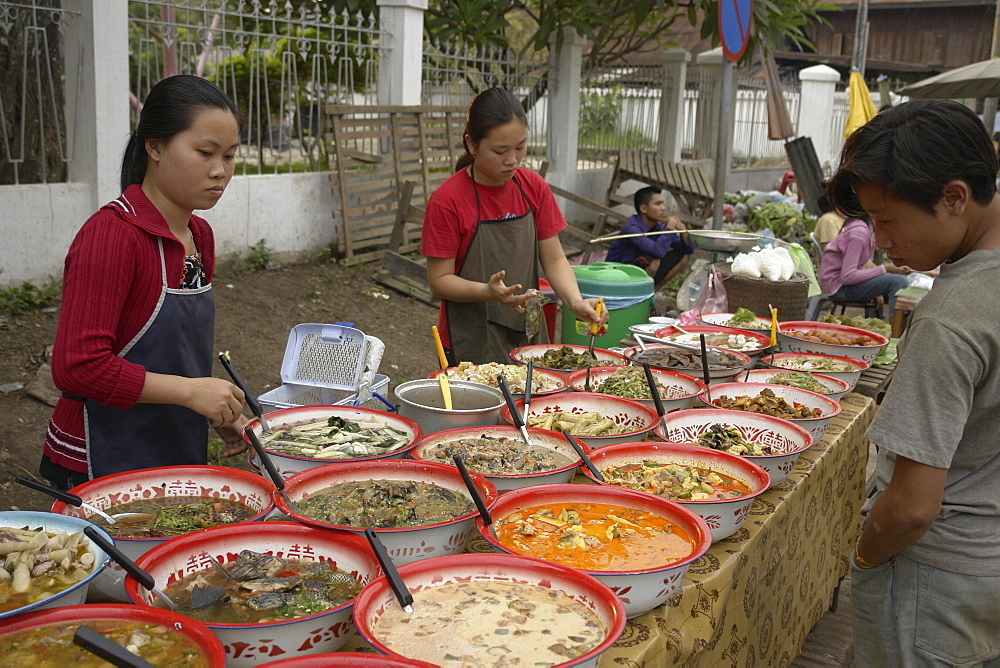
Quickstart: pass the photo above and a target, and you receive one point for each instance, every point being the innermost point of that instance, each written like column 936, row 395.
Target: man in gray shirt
column 926, row 568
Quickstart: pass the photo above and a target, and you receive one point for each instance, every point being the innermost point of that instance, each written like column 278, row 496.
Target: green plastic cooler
column 628, row 294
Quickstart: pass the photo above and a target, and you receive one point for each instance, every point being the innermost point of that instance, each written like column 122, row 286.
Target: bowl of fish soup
column 783, row 440
column 500, row 455
column 194, row 490
column 419, row 509
column 161, row 637
column 675, row 471
column 615, row 527
column 302, row 437
column 677, row 390
column 845, row 368
column 312, row 616
column 594, row 419
column 595, row 618
column 61, row 578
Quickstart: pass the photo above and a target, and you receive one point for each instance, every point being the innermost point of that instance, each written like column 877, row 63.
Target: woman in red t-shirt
column 486, row 231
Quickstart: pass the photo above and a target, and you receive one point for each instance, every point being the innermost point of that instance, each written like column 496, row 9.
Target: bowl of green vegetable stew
column 164, row 502
column 306, row 436
column 677, row 390
column 418, row 509
column 264, row 589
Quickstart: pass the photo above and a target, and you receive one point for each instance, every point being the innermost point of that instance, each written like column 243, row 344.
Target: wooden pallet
column 692, row 192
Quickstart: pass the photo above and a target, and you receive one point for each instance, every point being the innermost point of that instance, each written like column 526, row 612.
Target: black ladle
column 250, row 397
column 654, row 390
column 60, row 495
column 586, row 380
column 515, row 415
column 484, row 512
column 272, row 472
column 403, row 594
column 527, row 384
column 130, row 567
column 584, row 456
column 704, row 368
column 97, row 644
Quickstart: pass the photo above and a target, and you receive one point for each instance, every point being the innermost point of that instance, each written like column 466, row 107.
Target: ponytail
column 133, row 162
column 489, row 109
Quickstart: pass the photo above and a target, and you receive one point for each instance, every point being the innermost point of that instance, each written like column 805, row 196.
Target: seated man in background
column 662, row 256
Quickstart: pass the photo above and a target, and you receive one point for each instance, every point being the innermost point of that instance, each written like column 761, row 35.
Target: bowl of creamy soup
column 46, row 560
column 265, row 589
column 501, row 456
column 716, row 485
column 771, row 443
column 638, row 544
column 492, row 610
column 418, row 509
column 163, row 502
column 44, row 639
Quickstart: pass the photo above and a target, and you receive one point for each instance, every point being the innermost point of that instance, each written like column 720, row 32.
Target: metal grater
column 324, row 355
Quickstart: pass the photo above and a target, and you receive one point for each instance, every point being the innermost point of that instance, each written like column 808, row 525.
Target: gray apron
column 177, row 340
column 509, row 244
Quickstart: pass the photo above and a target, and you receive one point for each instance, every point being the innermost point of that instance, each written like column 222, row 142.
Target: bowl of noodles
column 716, row 485
column 677, row 390
column 264, row 589
column 638, row 544
column 595, row 419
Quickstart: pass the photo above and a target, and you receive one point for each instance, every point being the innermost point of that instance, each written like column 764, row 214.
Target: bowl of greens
column 565, row 358
column 835, row 366
column 677, row 390
column 742, row 319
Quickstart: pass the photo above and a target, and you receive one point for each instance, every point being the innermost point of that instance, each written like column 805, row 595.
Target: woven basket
column 790, row 297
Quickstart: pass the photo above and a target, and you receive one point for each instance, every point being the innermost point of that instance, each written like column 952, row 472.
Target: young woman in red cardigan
column 134, row 347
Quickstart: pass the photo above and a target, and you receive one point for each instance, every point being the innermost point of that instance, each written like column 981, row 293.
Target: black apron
column 177, row 340
column 509, row 244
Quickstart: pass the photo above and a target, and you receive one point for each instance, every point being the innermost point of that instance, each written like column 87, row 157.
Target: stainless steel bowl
column 473, row 404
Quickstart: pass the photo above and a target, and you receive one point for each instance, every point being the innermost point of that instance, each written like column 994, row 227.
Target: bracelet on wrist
column 858, row 559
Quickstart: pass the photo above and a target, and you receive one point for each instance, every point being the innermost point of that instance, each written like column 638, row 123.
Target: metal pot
column 473, row 404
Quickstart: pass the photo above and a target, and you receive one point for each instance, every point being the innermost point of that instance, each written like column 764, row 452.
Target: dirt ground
column 254, row 313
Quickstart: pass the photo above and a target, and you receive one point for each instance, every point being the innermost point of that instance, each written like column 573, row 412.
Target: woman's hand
column 499, row 292
column 232, row 436
column 218, row 400
column 586, row 311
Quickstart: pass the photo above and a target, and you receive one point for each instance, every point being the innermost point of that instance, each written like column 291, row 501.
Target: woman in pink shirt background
column 843, row 275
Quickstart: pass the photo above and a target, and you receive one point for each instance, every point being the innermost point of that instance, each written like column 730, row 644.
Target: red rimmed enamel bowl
column 252, row 644
column 543, row 381
column 816, row 426
column 797, row 344
column 682, row 388
column 786, row 440
column 724, row 516
column 636, row 419
column 835, row 387
column 720, row 320
column 640, row 589
column 537, row 350
column 377, row 597
column 742, row 362
column 347, row 660
column 160, row 482
column 748, row 342
column 291, row 464
column 404, row 544
column 845, row 368
column 175, row 630
column 430, row 450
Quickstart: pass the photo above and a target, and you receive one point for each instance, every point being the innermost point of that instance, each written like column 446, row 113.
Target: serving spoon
column 399, row 588
column 74, row 500
column 130, row 567
column 719, row 355
column 99, row 645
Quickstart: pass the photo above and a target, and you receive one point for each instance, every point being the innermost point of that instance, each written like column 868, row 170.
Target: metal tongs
column 515, row 415
column 720, row 356
column 250, row 397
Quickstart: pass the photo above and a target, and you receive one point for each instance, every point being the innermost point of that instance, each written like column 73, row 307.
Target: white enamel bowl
column 347, row 660
column 795, row 344
column 505, row 482
column 816, row 426
column 724, row 516
column 720, row 319
column 290, row 464
column 378, row 597
column 715, row 375
column 74, row 594
column 850, row 372
column 107, row 491
column 636, row 419
column 641, row 590
column 718, row 336
column 685, row 386
column 835, row 387
column 252, row 644
column 787, row 440
column 536, row 351
column 404, row 544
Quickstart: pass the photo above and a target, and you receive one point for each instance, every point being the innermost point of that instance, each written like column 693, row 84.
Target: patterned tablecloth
column 753, row 597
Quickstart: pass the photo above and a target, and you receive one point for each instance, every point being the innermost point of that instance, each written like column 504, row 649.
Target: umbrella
column 977, row 80
column 862, row 108
column 779, row 123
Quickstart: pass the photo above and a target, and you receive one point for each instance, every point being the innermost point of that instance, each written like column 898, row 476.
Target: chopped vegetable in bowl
column 744, row 318
column 729, row 439
column 630, row 382
column 577, row 424
column 335, row 438
column 565, row 358
column 514, row 374
column 803, row 381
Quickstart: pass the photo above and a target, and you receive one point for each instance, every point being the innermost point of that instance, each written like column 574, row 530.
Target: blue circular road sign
column 734, row 26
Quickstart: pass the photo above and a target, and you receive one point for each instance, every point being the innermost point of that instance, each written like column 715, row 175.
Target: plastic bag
column 713, row 296
column 804, row 265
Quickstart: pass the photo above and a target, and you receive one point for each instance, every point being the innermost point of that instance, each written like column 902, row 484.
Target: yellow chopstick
column 443, row 376
column 774, row 326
